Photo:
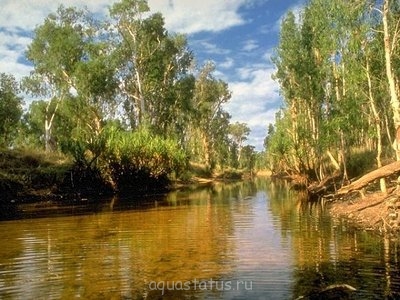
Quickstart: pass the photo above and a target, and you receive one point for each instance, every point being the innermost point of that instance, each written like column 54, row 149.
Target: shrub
column 141, row 158
column 136, row 160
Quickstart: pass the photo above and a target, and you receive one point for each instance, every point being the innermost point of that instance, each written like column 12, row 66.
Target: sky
column 239, row 36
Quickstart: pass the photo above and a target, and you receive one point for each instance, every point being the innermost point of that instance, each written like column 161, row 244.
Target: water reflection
column 327, row 251
column 255, row 240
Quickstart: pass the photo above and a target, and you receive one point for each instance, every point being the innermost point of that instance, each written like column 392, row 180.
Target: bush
column 136, row 160
column 141, row 160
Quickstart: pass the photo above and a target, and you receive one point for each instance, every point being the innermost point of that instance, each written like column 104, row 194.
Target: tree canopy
column 121, row 92
column 339, row 103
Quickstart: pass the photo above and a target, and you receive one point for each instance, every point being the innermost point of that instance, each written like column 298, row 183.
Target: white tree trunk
column 394, row 100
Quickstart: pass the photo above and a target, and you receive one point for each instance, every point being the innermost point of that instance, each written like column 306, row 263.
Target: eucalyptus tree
column 390, row 39
column 249, row 157
column 70, row 60
column 350, row 110
column 153, row 67
column 285, row 60
column 209, row 96
column 55, row 50
column 279, row 144
column 10, row 109
column 297, row 60
column 319, row 71
column 239, row 133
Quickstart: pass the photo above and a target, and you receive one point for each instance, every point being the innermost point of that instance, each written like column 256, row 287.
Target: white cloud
column 26, row 14
column 195, row 16
column 227, row 63
column 250, row 45
column 11, row 49
column 297, row 11
column 19, row 18
column 268, row 55
column 254, row 99
column 213, row 49
column 180, row 15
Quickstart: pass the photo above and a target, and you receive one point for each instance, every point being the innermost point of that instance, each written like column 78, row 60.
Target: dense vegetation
column 123, row 98
column 338, row 66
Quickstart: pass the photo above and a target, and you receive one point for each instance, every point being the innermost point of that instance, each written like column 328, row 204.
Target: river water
column 246, row 240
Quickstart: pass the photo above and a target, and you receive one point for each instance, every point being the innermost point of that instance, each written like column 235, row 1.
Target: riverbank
column 372, row 201
column 373, row 211
column 31, row 175
column 43, row 180
column 360, row 203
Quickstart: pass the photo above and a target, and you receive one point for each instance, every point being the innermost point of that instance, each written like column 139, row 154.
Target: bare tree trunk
column 385, row 171
column 342, row 151
column 378, row 127
column 333, row 160
column 390, row 76
column 48, row 124
column 344, row 157
column 387, row 129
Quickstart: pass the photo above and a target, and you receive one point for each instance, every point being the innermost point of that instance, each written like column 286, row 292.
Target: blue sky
column 238, row 35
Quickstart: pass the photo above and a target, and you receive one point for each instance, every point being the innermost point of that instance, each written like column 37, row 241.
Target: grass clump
column 136, row 161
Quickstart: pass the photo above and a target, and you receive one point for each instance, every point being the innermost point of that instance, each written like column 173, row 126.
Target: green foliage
column 279, row 144
column 129, row 160
column 141, row 151
column 248, row 158
column 231, row 174
column 330, row 65
column 10, row 109
column 153, row 65
column 123, row 98
column 210, row 123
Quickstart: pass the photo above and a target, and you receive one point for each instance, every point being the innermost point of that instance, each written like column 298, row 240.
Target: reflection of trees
column 192, row 234
column 117, row 254
column 327, row 252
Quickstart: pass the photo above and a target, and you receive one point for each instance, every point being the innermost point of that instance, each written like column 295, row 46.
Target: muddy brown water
column 245, row 240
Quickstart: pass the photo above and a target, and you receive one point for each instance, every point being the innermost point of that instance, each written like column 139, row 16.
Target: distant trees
column 10, row 109
column 209, row 119
column 239, row 132
column 337, row 104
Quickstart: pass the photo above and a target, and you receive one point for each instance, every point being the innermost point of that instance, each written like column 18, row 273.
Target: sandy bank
column 373, row 211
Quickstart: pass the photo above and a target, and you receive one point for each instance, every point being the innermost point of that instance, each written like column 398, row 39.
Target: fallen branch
column 328, row 184
column 383, row 172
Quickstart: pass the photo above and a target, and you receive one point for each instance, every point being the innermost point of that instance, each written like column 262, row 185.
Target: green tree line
column 338, row 67
column 122, row 96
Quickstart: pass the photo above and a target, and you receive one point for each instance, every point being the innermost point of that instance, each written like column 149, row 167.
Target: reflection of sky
column 259, row 239
column 263, row 256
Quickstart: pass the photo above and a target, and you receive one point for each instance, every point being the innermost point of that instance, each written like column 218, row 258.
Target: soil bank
column 373, row 211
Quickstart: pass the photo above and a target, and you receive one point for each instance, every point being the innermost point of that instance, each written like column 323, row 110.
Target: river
column 245, row 240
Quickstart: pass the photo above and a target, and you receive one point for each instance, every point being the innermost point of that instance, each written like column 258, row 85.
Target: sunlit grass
column 24, row 169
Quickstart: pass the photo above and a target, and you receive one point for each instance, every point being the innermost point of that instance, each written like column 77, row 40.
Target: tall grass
column 129, row 160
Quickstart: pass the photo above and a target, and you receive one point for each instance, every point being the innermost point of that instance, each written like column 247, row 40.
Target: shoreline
column 366, row 209
column 375, row 211
column 47, row 202
column 370, row 211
